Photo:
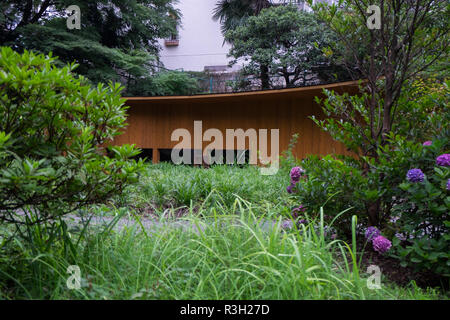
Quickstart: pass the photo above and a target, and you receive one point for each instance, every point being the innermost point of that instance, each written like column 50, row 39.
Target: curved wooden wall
column 152, row 120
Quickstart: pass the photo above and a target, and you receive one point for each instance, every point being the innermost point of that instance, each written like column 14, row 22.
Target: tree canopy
column 234, row 13
column 290, row 42
column 117, row 40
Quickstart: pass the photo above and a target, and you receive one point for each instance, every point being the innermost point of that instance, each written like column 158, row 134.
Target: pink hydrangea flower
column 381, row 244
column 443, row 160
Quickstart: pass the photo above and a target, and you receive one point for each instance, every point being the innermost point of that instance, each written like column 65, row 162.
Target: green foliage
column 377, row 178
column 423, row 109
column 419, row 28
column 228, row 257
column 53, row 129
column 165, row 188
column 412, row 37
column 421, row 211
column 168, row 83
column 287, row 41
column 234, row 13
column 349, row 121
column 117, row 40
column 288, row 158
column 420, row 114
column 337, row 185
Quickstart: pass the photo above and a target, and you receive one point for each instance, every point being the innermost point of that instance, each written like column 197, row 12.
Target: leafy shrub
column 375, row 184
column 420, row 114
column 421, row 214
column 335, row 184
column 53, row 131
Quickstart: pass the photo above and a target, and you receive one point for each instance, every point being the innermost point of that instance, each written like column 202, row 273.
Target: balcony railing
column 171, row 42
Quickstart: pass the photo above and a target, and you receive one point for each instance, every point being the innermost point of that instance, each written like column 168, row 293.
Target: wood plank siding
column 152, row 120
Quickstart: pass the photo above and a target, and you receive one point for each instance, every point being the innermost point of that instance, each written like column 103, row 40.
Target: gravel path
column 153, row 225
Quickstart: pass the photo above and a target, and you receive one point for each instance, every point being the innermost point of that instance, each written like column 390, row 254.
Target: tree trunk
column 373, row 211
column 264, row 70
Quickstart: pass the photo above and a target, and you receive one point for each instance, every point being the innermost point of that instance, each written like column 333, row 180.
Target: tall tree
column 117, row 39
column 286, row 40
column 234, row 13
column 412, row 36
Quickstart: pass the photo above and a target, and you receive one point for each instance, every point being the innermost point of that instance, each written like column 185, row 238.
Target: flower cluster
column 290, row 188
column 443, row 160
column 287, row 224
column 381, row 244
column 415, row 175
column 296, row 211
column 371, row 233
column 295, row 174
column 427, row 143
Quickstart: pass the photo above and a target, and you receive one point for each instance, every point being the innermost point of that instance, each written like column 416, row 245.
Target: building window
column 174, row 39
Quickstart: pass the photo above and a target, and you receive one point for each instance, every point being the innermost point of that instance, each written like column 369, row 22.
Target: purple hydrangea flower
column 372, row 232
column 299, row 209
column 290, row 188
column 286, row 224
column 443, row 160
column 448, row 184
column 400, row 236
column 296, row 173
column 415, row 175
column 427, row 143
column 381, row 244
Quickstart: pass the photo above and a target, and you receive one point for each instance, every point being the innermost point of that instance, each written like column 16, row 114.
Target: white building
column 199, row 45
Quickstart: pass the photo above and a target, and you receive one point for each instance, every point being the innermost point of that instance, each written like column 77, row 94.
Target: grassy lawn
column 167, row 189
column 225, row 253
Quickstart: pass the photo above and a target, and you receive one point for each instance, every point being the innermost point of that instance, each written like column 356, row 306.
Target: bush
column 420, row 217
column 376, row 179
column 53, row 131
column 335, row 184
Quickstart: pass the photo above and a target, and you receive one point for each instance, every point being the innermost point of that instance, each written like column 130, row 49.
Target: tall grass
column 223, row 247
column 223, row 257
column 165, row 185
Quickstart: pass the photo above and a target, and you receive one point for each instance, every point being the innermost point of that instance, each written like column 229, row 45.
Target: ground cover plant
column 168, row 189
